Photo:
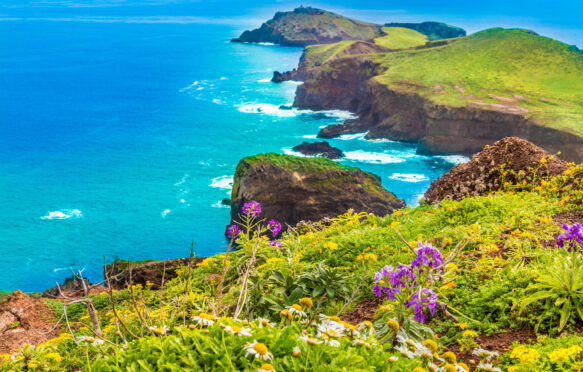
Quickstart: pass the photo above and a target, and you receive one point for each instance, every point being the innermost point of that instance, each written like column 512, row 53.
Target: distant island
column 429, row 83
column 307, row 26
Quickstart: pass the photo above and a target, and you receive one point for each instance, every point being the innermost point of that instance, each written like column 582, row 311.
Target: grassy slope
column 332, row 23
column 501, row 62
column 400, row 38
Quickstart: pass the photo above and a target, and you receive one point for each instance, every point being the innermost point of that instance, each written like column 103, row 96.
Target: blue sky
column 558, row 19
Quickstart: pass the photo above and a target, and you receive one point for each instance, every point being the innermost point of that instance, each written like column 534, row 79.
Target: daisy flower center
column 260, row 348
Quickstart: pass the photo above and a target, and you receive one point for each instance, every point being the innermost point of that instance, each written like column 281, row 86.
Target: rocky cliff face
column 306, row 26
column 402, row 114
column 292, row 189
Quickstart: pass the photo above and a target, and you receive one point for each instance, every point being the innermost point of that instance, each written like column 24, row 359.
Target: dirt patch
column 560, row 219
column 507, row 109
column 439, row 89
column 499, row 342
column 504, row 99
column 484, row 173
column 143, row 272
column 364, row 310
column 24, row 319
column 459, row 89
column 469, row 96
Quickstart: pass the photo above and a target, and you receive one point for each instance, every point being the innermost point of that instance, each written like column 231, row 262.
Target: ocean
column 120, row 139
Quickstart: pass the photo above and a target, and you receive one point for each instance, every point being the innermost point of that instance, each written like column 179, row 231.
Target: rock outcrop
column 124, row 273
column 509, row 160
column 291, row 189
column 279, row 77
column 433, row 30
column 319, row 148
column 306, row 26
column 24, row 319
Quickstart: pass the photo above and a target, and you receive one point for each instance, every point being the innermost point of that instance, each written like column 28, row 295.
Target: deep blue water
column 118, row 140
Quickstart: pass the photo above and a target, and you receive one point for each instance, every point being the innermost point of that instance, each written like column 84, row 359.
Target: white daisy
column 159, row 330
column 483, row 353
column 89, row 339
column 393, row 359
column 296, row 310
column 265, row 323
column 309, row 340
column 258, row 350
column 487, row 367
column 240, row 331
column 204, row 319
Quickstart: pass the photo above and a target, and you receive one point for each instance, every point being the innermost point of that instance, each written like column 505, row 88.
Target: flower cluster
column 429, row 256
column 406, row 283
column 274, row 226
column 424, row 298
column 252, row 208
column 573, row 235
column 233, row 231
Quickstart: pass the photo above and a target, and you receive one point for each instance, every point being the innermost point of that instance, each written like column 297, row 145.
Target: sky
column 557, row 19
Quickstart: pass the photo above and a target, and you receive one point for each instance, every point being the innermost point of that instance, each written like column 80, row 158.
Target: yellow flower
column 274, row 260
column 464, row 326
column 307, row 302
column 449, row 368
column 543, row 160
column 565, row 353
column 431, row 345
column 418, row 369
column 54, row 356
column 394, row 224
column 470, row 334
column 450, row 357
column 525, row 354
column 393, row 325
column 266, row 368
column 464, row 366
column 331, row 246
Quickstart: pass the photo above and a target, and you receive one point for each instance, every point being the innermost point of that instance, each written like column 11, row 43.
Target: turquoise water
column 119, row 140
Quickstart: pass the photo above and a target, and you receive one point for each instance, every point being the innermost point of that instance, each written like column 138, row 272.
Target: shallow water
column 119, row 140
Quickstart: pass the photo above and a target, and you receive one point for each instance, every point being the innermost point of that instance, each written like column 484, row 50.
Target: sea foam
column 408, row 177
column 63, row 214
column 372, row 157
column 277, row 110
column 222, row 182
column 454, row 159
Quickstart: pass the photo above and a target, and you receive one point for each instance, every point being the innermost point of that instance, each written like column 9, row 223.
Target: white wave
column 293, row 82
column 454, row 159
column 372, row 157
column 63, row 214
column 219, row 204
column 276, row 110
column 349, row 137
column 266, row 80
column 222, row 182
column 200, row 88
column 264, row 43
column 218, row 101
column 195, row 83
column 408, row 177
column 310, row 136
column 223, row 78
column 165, row 213
column 289, row 151
column 182, row 180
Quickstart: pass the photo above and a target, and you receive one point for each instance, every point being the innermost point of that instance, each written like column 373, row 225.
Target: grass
column 330, row 22
column 503, row 62
column 400, row 38
column 295, row 163
column 319, row 54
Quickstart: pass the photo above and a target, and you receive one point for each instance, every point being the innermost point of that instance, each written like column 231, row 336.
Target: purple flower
column 425, row 298
column 573, row 235
column 252, row 208
column 275, row 243
column 233, row 230
column 427, row 255
column 274, row 226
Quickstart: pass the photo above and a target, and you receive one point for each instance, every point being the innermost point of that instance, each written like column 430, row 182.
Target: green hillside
column 511, row 67
column 400, row 38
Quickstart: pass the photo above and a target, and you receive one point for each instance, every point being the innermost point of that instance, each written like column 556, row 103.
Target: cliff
column 307, row 26
column 292, row 189
column 454, row 96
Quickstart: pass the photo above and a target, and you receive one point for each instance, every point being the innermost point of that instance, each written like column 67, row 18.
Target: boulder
column 319, row 148
column 510, row 159
column 291, row 189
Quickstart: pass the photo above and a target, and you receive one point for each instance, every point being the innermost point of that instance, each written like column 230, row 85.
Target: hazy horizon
column 558, row 20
